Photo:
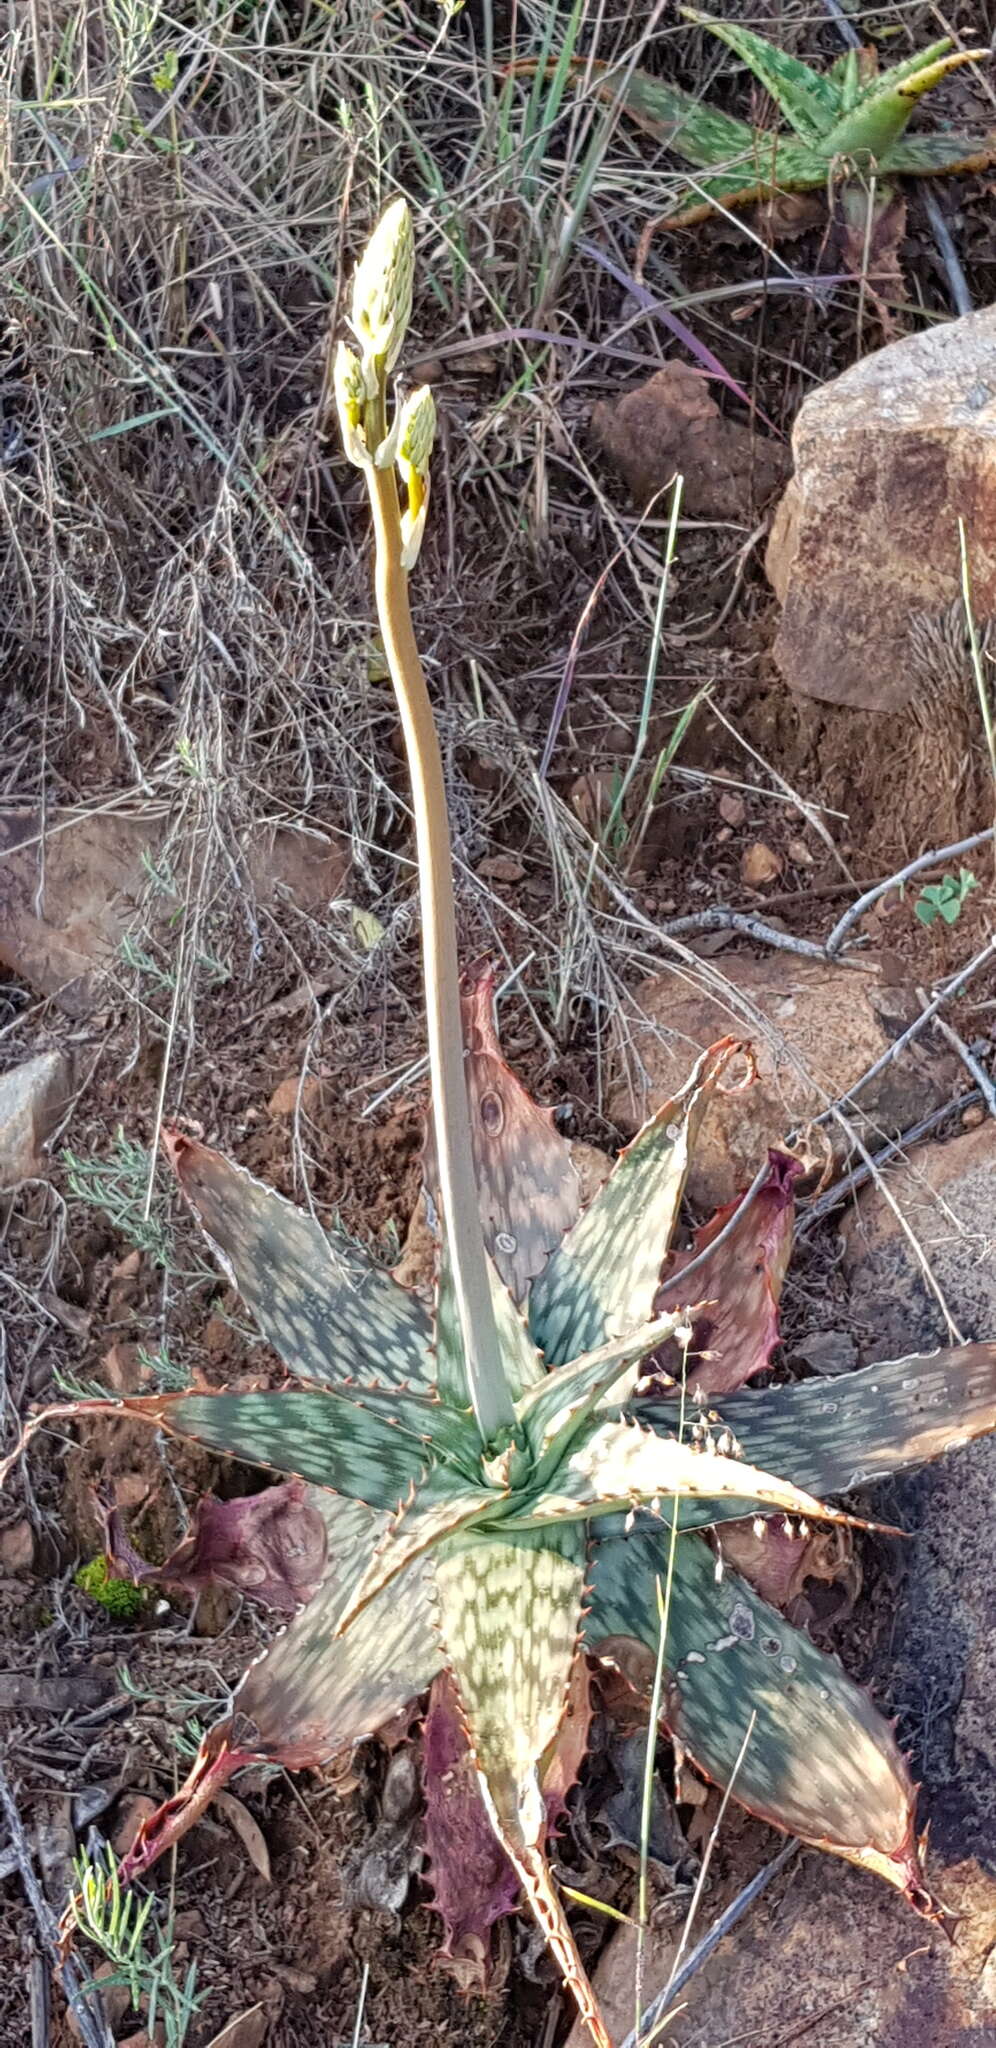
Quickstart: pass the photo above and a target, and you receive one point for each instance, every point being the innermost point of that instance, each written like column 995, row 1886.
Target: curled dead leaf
column 249, row 1832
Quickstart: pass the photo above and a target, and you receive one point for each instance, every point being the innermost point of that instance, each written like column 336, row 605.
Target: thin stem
column 490, row 1398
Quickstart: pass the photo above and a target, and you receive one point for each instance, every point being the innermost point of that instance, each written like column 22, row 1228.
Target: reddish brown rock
column 670, row 426
column 62, row 920
column 864, row 549
column 814, row 1030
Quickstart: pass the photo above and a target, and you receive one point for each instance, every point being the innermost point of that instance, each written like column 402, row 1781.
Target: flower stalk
column 380, row 312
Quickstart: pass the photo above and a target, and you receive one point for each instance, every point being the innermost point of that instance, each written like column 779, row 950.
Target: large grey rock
column 33, row 1096
column 815, row 1030
column 864, row 549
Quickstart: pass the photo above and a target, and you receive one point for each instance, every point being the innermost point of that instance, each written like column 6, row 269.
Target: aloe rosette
column 475, row 1499
column 850, row 118
column 502, row 1566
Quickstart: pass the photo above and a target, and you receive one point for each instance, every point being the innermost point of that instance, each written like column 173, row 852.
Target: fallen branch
column 822, row 1205
column 855, row 911
column 84, row 2003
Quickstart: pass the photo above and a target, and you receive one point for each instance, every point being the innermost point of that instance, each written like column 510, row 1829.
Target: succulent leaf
column 510, row 1611
column 820, row 1761
column 740, row 1284
column 553, row 1412
column 601, row 1281
column 810, row 100
column 621, row 1465
column 830, row 1436
column 433, row 1514
column 927, row 156
column 319, row 1300
column 527, row 1186
column 310, row 1434
column 702, row 134
column 316, row 1691
column 874, row 125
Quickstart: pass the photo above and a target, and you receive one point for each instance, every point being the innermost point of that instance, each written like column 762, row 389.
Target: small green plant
column 117, row 1186
column 946, row 898
column 851, row 118
column 118, row 1598
column 121, row 1929
column 500, row 1493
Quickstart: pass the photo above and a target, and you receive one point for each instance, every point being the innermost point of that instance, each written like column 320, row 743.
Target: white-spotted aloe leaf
column 527, row 1187
column 510, row 1615
column 873, row 127
column 435, row 1512
column 315, row 1692
column 322, row 1303
column 739, row 1284
column 830, row 1436
column 308, row 1433
column 811, row 101
column 601, row 1281
column 619, row 1465
column 553, row 1412
column 820, row 1761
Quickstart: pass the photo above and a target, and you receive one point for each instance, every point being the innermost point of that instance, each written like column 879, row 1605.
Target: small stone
column 501, row 867
column 33, row 1097
column 130, row 1490
column 17, row 1547
column 134, row 1808
column 732, row 809
column 284, row 1100
column 829, row 1352
column 799, row 854
column 973, row 1116
column 760, row 865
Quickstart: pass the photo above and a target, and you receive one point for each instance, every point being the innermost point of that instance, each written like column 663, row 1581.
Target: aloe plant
column 852, row 117
column 494, row 1479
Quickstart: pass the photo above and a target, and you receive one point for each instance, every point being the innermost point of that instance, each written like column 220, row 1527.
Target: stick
column 915, row 867
column 83, row 2003
column 660, row 2006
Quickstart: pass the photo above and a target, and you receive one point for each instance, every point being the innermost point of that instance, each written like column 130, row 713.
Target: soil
column 83, row 1301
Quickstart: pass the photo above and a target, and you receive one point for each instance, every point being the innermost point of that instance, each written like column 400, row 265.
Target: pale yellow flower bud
column 349, row 385
column 382, row 287
column 416, row 431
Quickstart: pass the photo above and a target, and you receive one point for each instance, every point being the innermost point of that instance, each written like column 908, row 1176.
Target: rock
column 247, row 2030
column 33, row 1097
column 760, row 865
column 732, row 809
column 947, row 1196
column 17, row 1547
column 97, row 887
column 284, row 1100
column 827, row 1955
column 864, row 548
column 828, row 1352
column 671, row 425
column 815, row 1030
